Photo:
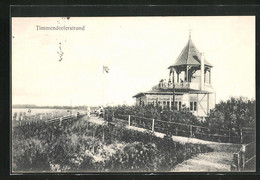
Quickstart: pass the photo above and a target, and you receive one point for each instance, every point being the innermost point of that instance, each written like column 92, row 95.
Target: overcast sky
column 137, row 50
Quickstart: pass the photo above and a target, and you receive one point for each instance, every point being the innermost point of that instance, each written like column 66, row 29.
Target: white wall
column 205, row 102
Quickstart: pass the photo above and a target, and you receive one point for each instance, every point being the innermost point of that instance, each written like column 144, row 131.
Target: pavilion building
column 189, row 80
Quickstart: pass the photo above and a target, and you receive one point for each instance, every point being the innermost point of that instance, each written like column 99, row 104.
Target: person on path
column 88, row 112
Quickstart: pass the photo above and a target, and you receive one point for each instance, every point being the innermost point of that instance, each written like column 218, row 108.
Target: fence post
column 243, row 156
column 103, row 135
column 153, row 125
column 87, row 122
column 60, row 120
column 190, row 131
column 241, row 135
column 236, row 160
column 129, row 120
column 229, row 135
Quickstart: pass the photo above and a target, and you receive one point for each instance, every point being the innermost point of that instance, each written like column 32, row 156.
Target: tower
column 189, row 84
column 191, row 69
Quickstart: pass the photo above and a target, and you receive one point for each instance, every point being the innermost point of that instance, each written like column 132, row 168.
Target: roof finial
column 189, row 33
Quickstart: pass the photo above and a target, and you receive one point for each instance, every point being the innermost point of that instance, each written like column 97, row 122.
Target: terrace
column 182, row 85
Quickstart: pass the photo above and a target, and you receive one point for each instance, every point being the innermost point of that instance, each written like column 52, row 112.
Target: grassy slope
column 217, row 161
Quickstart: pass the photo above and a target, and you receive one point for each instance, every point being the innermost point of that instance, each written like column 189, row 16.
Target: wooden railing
column 187, row 130
column 27, row 116
column 245, row 159
column 55, row 120
column 183, row 85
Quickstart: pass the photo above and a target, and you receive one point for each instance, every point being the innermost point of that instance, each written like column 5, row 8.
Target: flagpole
column 103, row 88
column 70, row 107
column 105, row 70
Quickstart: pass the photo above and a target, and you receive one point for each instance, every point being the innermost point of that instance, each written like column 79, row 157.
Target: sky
column 137, row 50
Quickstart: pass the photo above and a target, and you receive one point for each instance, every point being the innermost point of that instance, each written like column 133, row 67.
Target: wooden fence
column 245, row 135
column 245, row 159
column 56, row 120
column 28, row 116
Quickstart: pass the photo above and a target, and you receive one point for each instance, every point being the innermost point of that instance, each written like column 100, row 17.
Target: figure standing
column 88, row 112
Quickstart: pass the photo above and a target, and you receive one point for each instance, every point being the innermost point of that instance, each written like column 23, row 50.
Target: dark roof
column 189, row 56
column 158, row 92
column 169, row 92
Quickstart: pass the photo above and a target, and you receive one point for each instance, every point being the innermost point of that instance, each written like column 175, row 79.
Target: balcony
column 183, row 85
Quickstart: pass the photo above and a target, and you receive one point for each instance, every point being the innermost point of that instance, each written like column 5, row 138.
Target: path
column 96, row 120
column 217, row 161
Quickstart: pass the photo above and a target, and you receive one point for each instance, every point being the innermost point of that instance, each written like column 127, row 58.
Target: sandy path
column 207, row 162
column 96, row 120
column 217, row 161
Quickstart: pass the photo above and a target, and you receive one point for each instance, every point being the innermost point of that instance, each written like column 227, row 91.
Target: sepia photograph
column 133, row 94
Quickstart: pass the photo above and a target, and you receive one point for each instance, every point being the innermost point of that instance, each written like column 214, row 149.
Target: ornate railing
column 183, row 85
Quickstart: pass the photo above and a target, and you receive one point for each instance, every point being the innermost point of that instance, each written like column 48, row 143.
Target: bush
column 74, row 149
column 154, row 112
column 233, row 115
column 228, row 118
column 30, row 155
column 158, row 154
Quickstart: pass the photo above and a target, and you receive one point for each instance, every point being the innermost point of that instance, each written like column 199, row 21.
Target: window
column 175, row 105
column 193, row 106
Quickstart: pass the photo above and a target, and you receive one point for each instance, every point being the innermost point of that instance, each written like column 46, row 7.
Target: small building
column 189, row 81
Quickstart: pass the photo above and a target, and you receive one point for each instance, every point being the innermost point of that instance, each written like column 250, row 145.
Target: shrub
column 153, row 112
column 163, row 154
column 30, row 155
column 232, row 115
column 74, row 148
